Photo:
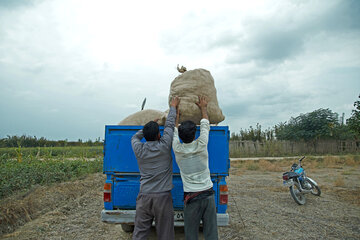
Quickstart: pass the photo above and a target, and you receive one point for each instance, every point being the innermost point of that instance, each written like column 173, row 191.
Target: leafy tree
column 319, row 124
column 354, row 121
column 343, row 132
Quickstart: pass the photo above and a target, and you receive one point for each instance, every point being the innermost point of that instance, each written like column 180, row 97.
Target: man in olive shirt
column 154, row 201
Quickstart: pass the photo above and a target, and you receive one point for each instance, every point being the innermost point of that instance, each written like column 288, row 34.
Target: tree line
column 33, row 141
column 321, row 124
column 317, row 125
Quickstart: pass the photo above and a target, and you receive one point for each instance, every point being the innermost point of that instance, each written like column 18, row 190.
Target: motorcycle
column 299, row 184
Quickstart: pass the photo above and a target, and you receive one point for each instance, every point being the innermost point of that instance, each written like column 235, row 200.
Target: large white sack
column 143, row 117
column 188, row 86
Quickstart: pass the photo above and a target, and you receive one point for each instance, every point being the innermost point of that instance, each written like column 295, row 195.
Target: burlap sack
column 188, row 86
column 143, row 117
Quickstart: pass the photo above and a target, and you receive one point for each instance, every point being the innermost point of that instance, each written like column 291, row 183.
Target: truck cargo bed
column 122, row 174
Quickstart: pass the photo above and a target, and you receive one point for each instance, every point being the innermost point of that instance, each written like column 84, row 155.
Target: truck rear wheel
column 127, row 227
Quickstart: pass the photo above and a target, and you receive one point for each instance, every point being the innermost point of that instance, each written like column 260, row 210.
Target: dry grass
column 252, row 167
column 349, row 172
column 310, row 163
column 339, row 182
column 341, row 161
column 336, row 162
column 335, row 174
column 18, row 209
column 351, row 162
column 347, row 164
column 262, row 165
column 331, row 161
column 349, row 195
column 278, row 189
column 271, row 166
column 237, row 164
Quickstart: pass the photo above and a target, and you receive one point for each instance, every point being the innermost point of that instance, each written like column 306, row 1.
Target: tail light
column 107, row 192
column 285, row 177
column 224, row 194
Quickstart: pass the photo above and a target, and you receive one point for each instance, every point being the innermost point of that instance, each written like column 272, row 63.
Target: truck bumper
column 128, row 217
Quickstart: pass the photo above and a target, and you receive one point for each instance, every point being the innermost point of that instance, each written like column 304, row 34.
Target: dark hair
column 187, row 131
column 151, row 131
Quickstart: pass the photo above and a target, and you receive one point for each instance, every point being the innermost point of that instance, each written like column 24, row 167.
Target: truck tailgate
column 120, row 158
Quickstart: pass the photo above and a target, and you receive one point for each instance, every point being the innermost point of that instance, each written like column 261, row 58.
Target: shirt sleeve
column 136, row 143
column 204, row 132
column 176, row 141
column 167, row 136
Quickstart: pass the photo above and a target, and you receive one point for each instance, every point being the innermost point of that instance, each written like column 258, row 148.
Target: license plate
column 288, row 183
column 178, row 216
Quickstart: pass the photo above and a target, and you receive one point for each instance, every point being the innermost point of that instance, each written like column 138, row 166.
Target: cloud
column 342, row 16
column 15, row 4
column 61, row 66
column 279, row 34
column 283, row 36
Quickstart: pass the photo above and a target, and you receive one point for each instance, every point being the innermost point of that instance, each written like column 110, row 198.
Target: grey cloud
column 269, row 40
column 266, row 109
column 267, row 46
column 263, row 101
column 14, row 4
column 57, row 83
column 275, row 40
column 236, row 109
column 279, row 98
column 345, row 15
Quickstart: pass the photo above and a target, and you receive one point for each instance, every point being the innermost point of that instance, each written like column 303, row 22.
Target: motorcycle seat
column 292, row 174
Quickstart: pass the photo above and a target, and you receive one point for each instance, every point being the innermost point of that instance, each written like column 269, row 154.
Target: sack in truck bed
column 189, row 86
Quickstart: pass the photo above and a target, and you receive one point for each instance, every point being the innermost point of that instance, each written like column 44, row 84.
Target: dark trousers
column 200, row 209
column 158, row 207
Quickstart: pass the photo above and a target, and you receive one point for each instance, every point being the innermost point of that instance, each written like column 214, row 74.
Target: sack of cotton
column 189, row 86
column 143, row 117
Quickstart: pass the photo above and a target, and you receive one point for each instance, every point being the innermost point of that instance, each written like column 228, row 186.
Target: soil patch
column 259, row 208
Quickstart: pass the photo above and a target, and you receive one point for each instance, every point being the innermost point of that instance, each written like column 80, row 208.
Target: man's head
column 187, row 131
column 151, row 131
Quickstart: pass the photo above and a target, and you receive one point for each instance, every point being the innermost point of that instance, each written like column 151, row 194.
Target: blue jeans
column 200, row 208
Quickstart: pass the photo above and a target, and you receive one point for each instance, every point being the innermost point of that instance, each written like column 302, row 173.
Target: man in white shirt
column 192, row 159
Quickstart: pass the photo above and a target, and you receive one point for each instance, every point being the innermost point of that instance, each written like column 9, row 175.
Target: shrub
column 17, row 176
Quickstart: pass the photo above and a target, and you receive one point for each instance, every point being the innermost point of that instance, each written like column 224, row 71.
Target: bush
column 22, row 175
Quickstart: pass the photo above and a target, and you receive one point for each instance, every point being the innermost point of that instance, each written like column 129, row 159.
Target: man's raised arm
column 170, row 122
column 204, row 123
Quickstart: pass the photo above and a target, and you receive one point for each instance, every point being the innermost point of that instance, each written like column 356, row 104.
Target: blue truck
column 123, row 178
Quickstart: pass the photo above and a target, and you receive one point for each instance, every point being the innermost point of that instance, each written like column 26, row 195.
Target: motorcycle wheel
column 297, row 195
column 315, row 190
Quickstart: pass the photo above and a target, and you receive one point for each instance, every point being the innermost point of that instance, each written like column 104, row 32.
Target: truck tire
column 127, row 227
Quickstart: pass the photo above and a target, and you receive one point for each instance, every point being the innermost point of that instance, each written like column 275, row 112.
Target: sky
column 70, row 67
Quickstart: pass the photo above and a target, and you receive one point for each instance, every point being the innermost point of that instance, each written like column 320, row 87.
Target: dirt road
column 259, row 207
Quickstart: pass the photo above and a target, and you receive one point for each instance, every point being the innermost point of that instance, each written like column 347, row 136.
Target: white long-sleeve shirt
column 192, row 159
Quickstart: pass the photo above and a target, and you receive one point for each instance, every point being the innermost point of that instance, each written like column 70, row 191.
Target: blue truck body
column 123, row 178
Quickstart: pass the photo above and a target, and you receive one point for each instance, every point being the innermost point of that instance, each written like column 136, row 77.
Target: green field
column 22, row 168
column 51, row 152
